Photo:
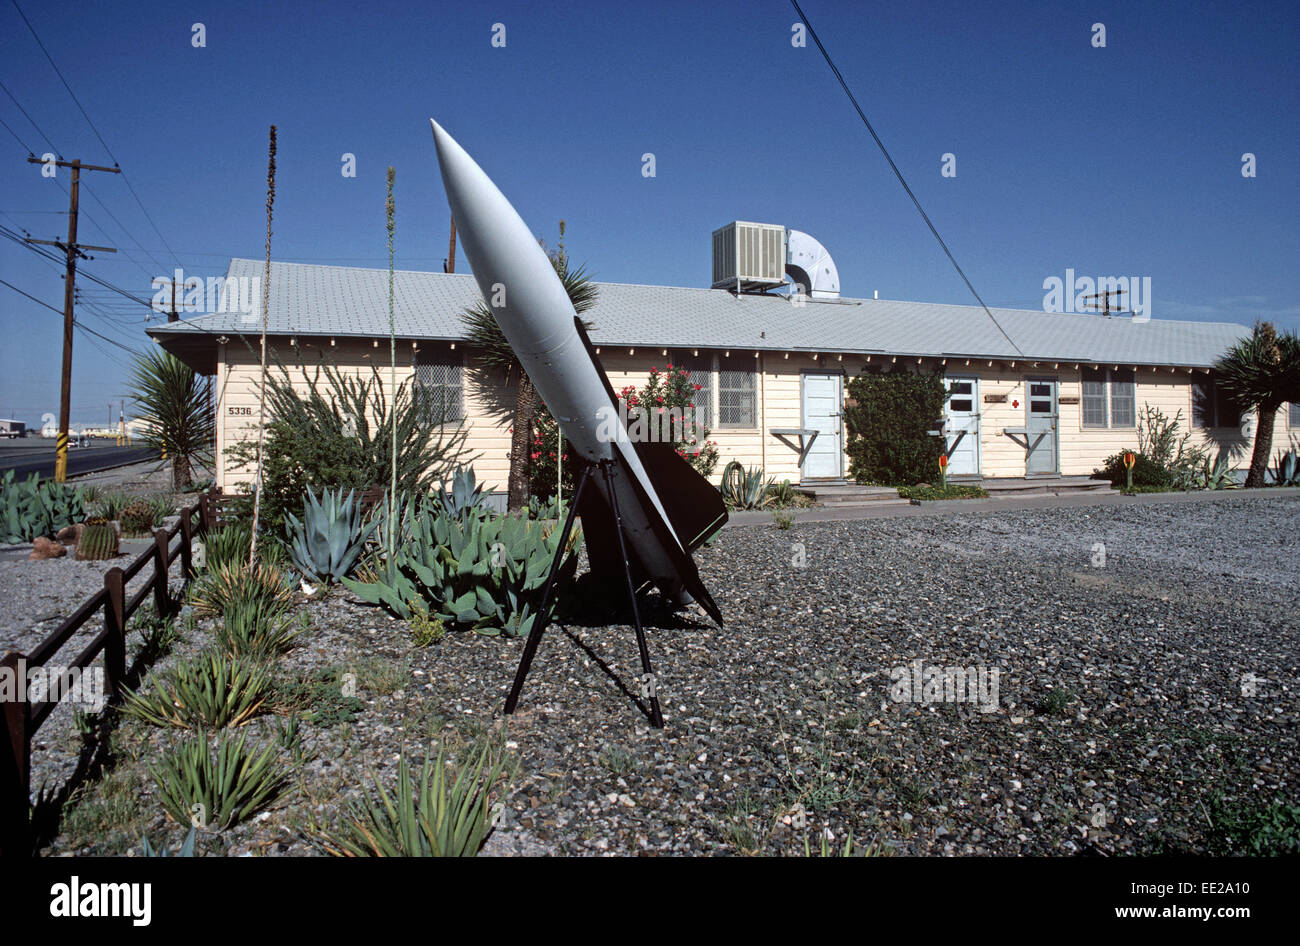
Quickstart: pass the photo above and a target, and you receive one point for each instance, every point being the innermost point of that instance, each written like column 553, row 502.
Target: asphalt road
column 28, row 455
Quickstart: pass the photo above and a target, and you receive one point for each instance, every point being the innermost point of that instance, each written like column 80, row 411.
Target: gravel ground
column 1120, row 716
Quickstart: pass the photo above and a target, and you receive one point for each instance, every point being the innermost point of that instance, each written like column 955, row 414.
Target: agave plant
column 745, row 488
column 1218, row 475
column 185, row 850
column 464, row 498
column 1287, row 471
column 217, row 791
column 31, row 508
column 433, row 819
column 326, row 543
column 483, row 572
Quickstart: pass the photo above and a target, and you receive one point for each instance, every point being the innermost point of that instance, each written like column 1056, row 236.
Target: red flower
column 654, row 370
column 536, row 455
column 699, row 387
column 670, row 367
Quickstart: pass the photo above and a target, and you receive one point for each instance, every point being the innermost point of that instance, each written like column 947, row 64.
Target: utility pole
column 73, row 250
column 449, row 264
column 172, row 316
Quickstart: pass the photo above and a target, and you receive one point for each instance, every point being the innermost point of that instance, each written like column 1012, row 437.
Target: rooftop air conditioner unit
column 748, row 256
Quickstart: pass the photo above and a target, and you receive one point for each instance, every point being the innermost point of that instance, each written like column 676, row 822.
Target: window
column 1094, row 403
column 737, row 391
column 701, row 373
column 1110, row 400
column 440, row 384
column 1123, row 401
column 1293, row 416
column 961, row 398
column 1211, row 407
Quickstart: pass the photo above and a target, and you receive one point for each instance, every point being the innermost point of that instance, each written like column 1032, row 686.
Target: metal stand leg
column 539, row 623
column 656, row 717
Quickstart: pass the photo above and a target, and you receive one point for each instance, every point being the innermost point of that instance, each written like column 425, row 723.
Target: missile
column 666, row 508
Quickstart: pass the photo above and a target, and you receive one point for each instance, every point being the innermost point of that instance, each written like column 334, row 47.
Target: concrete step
column 1058, row 485
column 851, row 495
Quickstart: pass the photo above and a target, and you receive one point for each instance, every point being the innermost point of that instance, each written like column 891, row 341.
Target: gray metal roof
column 342, row 301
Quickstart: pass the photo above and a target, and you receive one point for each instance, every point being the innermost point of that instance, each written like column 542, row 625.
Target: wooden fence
column 22, row 717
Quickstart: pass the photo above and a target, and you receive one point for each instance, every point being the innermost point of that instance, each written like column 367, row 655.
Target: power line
column 126, row 180
column 899, row 174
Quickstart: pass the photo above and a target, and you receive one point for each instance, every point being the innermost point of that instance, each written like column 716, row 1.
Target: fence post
column 15, row 759
column 161, row 592
column 115, row 622
column 187, row 539
column 203, row 512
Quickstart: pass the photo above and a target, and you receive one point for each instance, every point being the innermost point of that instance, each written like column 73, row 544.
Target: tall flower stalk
column 390, row 207
column 266, row 306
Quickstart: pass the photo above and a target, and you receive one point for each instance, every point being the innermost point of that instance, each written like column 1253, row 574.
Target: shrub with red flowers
column 669, row 392
column 544, row 457
column 672, row 392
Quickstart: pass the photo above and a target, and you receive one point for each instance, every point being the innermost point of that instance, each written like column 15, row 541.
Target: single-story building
column 1036, row 394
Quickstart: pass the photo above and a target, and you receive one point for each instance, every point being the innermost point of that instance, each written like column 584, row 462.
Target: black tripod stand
column 539, row 624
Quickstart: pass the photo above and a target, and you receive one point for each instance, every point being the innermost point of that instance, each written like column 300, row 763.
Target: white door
column 1040, row 426
column 963, row 426
column 821, row 412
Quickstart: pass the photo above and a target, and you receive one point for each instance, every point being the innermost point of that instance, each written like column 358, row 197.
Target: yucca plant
column 209, row 691
column 1261, row 373
column 227, row 584
column 176, row 409
column 217, row 791
column 431, row 819
column 745, row 488
column 110, row 505
column 227, row 545
column 326, row 543
column 258, row 628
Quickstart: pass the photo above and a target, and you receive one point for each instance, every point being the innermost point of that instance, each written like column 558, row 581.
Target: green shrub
column 430, row 819
column 888, row 417
column 337, row 430
column 1147, row 475
column 209, row 691
column 218, row 791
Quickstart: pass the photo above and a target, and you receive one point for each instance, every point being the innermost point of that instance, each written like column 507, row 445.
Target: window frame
column 1110, row 393
column 454, row 359
column 1108, row 382
column 752, row 391
column 1216, row 401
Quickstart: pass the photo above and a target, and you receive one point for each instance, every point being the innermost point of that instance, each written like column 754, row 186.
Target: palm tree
column 175, row 405
column 1261, row 373
column 483, row 332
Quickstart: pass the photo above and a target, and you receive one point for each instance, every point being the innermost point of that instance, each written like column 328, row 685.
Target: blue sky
column 1122, row 161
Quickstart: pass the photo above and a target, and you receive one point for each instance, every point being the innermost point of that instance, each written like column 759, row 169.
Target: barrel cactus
column 137, row 518
column 98, row 541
